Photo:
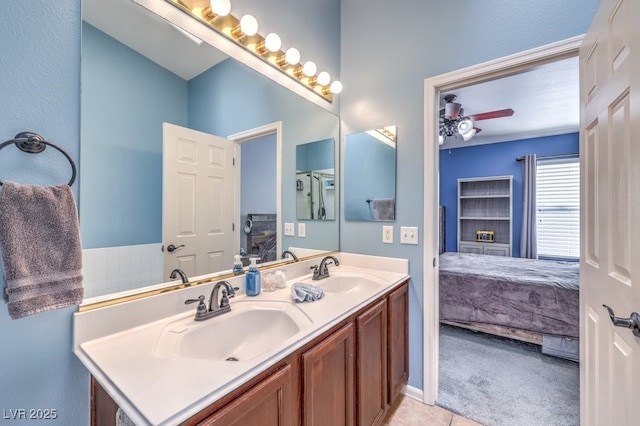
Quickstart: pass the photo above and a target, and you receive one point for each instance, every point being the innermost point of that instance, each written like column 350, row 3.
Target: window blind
column 558, row 208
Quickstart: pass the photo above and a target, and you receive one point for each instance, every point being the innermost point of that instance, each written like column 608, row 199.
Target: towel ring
column 33, row 143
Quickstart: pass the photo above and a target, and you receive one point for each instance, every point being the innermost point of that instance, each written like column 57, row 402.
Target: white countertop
column 119, row 344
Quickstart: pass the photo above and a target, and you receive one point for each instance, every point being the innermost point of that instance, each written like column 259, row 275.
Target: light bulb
column 272, row 42
column 336, row 87
column 249, row 25
column 309, row 69
column 221, row 7
column 324, row 78
column 292, row 56
column 440, row 139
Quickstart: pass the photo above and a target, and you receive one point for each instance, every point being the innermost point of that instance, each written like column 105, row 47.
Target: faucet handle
column 202, row 307
column 224, row 301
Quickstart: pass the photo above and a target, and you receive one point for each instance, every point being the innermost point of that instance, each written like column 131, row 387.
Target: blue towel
column 302, row 292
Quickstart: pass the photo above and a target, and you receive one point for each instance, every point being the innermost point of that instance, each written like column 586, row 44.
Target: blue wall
column 369, row 172
column 494, row 160
column 383, row 71
column 40, row 91
column 318, row 155
column 125, row 99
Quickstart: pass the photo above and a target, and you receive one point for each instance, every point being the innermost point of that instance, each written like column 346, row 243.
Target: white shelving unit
column 485, row 204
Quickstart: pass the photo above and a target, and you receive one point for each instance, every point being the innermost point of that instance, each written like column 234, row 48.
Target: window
column 558, row 208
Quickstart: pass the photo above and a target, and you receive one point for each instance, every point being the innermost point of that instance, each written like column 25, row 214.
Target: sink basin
column 348, row 282
column 252, row 328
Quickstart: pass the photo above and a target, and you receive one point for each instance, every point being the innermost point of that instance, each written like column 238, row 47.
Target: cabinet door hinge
column 233, row 227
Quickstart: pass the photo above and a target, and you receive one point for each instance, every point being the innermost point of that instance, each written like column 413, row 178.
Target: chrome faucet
column 183, row 276
column 214, row 309
column 322, row 271
column 286, row 252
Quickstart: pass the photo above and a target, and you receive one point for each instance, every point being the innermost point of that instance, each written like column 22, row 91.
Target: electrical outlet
column 409, row 235
column 289, row 230
column 387, row 234
column 302, row 229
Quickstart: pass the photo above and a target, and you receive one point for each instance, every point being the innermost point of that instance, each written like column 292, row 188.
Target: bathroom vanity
column 340, row 360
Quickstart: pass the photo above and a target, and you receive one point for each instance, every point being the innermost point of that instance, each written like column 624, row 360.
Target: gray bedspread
column 534, row 295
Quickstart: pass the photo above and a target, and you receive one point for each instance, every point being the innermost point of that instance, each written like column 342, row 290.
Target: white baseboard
column 414, row 393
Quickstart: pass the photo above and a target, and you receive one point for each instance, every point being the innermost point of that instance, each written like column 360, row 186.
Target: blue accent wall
column 125, row 98
column 497, row 159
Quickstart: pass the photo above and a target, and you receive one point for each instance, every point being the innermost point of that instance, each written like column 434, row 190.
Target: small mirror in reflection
column 315, row 180
column 370, row 175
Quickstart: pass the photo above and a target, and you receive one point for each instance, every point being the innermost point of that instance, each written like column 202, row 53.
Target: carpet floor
column 499, row 381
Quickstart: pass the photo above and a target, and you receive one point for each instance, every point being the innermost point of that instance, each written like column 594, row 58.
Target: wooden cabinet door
column 398, row 362
column 328, row 376
column 268, row 403
column 372, row 365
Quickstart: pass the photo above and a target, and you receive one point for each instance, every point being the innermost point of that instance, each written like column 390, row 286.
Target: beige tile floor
column 409, row 412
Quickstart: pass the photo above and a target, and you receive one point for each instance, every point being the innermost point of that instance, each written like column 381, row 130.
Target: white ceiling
column 151, row 36
column 545, row 101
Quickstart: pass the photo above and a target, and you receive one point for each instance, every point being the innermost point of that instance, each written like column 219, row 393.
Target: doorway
column 271, row 130
column 434, row 87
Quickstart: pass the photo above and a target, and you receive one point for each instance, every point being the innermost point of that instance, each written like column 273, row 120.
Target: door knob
column 171, row 248
column 633, row 322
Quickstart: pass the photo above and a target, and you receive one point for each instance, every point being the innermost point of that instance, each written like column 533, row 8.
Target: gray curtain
column 528, row 243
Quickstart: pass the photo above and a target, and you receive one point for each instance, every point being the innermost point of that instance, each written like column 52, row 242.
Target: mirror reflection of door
column 198, row 198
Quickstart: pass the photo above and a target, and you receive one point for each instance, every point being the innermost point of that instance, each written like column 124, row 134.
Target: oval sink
column 349, row 282
column 251, row 328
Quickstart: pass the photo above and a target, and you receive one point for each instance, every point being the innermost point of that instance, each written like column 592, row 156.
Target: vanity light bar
column 268, row 49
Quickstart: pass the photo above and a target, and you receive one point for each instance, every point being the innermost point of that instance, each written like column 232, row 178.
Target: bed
column 520, row 298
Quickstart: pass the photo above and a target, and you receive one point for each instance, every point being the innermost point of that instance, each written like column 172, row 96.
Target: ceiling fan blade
column 492, row 114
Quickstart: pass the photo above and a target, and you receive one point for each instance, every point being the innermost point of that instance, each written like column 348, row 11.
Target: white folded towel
column 302, row 292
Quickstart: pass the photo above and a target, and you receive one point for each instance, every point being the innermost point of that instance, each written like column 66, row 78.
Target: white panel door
column 197, row 201
column 610, row 203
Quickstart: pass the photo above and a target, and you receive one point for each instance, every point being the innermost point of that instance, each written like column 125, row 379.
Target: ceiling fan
column 453, row 122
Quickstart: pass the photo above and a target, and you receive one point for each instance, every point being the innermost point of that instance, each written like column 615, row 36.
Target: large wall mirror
column 139, row 71
column 370, row 175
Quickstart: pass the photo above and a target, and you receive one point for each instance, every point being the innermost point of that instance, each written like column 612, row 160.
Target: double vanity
column 341, row 359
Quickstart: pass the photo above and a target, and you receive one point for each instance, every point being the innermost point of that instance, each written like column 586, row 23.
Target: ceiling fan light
column 469, row 135
column 465, row 126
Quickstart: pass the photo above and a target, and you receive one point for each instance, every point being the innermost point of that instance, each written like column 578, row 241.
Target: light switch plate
column 387, row 234
column 409, row 235
column 302, row 229
column 289, row 229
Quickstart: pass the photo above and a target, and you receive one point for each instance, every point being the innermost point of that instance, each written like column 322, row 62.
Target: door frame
column 246, row 136
column 433, row 86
